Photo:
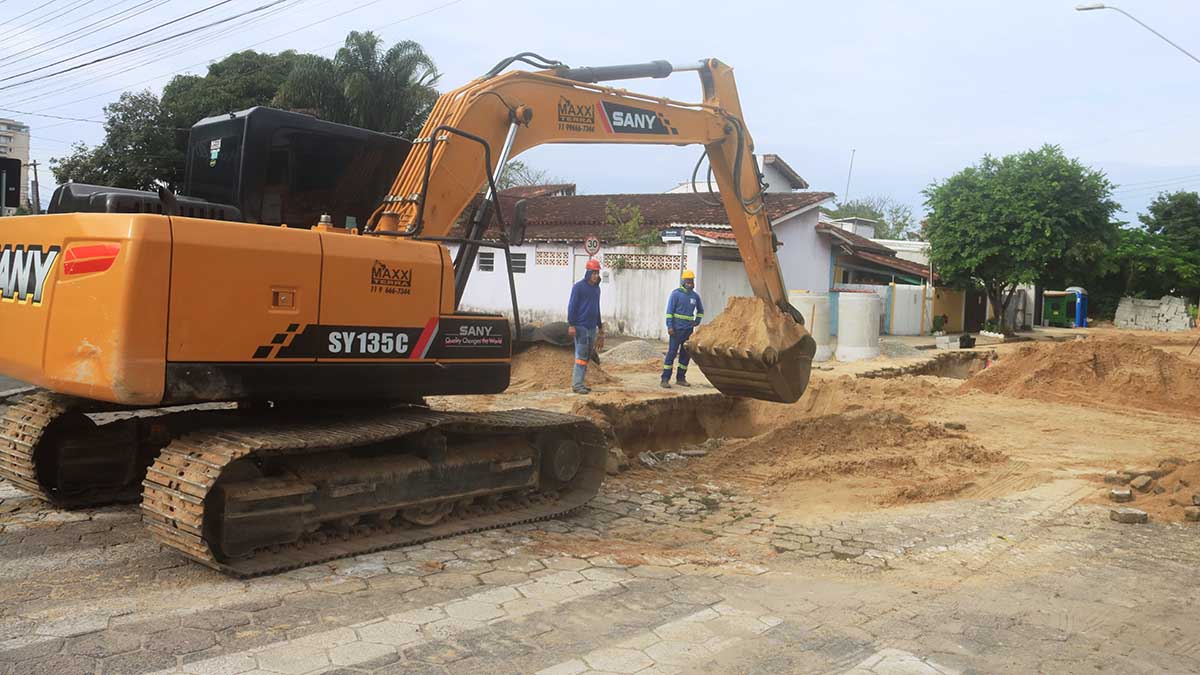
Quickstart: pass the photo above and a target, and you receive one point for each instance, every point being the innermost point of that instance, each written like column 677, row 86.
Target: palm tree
column 363, row 86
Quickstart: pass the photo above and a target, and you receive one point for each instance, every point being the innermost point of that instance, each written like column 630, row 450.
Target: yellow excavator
column 322, row 337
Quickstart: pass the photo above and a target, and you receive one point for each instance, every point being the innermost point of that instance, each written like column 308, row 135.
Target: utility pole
column 37, row 190
column 3, row 193
column 846, row 195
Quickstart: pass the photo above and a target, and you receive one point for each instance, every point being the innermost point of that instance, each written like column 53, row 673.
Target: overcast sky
column 920, row 89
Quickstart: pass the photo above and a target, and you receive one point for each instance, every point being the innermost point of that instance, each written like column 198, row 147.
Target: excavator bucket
column 737, row 360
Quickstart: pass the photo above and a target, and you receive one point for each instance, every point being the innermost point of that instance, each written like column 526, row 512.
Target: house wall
column 723, row 276
column 633, row 298
column 805, row 255
column 776, row 181
column 542, row 291
column 951, row 303
column 907, row 315
column 913, row 251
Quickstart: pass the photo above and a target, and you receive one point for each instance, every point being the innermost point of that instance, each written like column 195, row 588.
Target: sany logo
column 630, row 120
column 475, row 331
column 24, row 270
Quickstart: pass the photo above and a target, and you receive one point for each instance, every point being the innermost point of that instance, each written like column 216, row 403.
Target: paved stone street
column 650, row 578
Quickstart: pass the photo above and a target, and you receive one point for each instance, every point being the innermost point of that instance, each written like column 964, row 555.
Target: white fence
column 902, row 308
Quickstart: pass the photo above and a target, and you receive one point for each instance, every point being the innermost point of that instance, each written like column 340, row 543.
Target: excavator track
column 183, row 490
column 22, row 430
column 52, row 449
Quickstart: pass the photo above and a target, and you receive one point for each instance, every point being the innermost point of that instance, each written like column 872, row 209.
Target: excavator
column 260, row 388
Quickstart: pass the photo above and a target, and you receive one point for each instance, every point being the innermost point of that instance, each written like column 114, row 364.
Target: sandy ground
column 855, row 444
column 879, row 525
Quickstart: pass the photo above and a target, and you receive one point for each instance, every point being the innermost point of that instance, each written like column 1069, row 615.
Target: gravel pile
column 634, row 351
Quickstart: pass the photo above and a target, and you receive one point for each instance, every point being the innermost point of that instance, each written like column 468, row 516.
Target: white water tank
column 858, row 326
column 815, row 308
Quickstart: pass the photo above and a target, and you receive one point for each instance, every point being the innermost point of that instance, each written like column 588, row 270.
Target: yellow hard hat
column 688, row 274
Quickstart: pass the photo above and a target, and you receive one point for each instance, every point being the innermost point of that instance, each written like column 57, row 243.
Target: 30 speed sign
column 591, row 244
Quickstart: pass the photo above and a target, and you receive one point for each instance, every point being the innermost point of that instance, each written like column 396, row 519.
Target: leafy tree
column 365, row 86
column 236, row 82
column 1175, row 219
column 628, row 225
column 137, row 151
column 895, row 219
column 146, row 137
column 518, row 173
column 1018, row 219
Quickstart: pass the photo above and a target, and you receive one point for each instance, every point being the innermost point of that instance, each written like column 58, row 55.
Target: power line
column 56, row 117
column 200, row 63
column 1155, row 180
column 57, row 42
column 52, row 87
column 27, row 13
column 150, row 44
column 27, row 38
column 1151, row 187
column 115, row 42
column 52, row 17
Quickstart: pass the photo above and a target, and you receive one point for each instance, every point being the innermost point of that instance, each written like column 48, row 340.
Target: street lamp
column 1100, row 5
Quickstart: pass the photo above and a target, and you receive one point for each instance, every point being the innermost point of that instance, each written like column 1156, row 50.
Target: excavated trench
column 880, row 430
column 957, row 365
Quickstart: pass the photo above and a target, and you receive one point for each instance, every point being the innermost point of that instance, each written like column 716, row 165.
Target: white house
column 637, row 280
column 778, row 176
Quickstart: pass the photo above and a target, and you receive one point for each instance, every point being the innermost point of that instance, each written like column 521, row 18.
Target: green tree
column 365, row 86
column 145, row 141
column 236, row 82
column 628, row 226
column 137, row 151
column 1175, row 219
column 895, row 220
column 1018, row 219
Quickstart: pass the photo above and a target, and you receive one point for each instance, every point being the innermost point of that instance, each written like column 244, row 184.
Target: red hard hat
column 593, row 264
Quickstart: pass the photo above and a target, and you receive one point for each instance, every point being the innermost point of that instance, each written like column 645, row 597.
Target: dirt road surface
column 887, row 523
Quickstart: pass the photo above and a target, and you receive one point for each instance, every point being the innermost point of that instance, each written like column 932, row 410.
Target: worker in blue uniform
column 684, row 312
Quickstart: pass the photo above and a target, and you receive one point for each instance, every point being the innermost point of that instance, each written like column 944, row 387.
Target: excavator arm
column 475, row 130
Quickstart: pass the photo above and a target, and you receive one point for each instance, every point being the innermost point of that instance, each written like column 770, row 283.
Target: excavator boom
column 474, row 130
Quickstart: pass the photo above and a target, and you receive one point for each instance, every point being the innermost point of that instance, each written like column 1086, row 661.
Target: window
column 518, row 263
column 487, row 261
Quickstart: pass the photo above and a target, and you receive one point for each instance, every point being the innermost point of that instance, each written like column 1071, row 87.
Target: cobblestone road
column 650, row 578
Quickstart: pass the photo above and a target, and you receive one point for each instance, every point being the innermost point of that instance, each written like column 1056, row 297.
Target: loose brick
column 1128, row 515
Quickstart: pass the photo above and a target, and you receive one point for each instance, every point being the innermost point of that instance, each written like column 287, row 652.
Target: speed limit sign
column 591, row 244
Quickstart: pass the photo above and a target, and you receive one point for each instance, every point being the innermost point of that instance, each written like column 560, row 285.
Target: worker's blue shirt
column 684, row 309
column 584, row 307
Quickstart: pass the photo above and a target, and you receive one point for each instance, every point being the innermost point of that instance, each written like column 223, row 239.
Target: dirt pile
column 880, row 453
column 545, row 367
column 1095, row 371
column 748, row 323
column 881, row 443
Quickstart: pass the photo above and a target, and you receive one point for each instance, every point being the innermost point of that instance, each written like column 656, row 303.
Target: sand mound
column 906, row 461
column 1095, row 371
column 634, row 351
column 545, row 367
column 749, row 323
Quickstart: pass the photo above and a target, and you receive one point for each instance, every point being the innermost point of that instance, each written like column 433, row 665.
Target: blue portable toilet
column 1081, row 302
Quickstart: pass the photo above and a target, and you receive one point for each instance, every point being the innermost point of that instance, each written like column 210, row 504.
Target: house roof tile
column 573, row 218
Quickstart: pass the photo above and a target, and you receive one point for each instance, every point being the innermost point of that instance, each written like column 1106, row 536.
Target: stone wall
column 1165, row 314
